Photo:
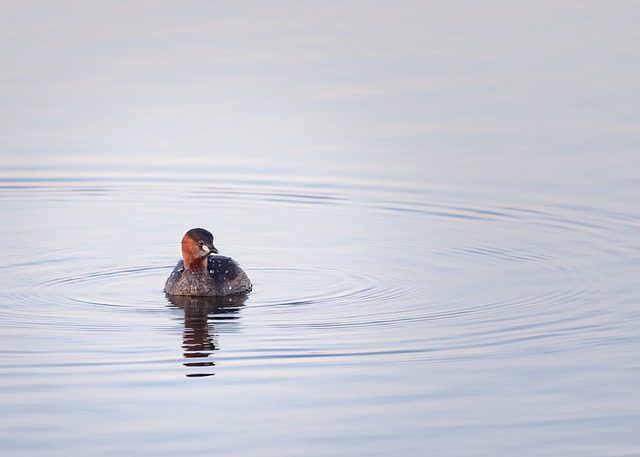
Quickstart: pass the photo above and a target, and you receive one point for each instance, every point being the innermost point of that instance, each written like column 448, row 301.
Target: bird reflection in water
column 199, row 340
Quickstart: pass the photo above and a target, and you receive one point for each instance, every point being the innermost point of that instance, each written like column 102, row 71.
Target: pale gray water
column 438, row 206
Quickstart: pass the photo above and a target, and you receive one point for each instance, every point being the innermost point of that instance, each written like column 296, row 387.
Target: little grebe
column 203, row 274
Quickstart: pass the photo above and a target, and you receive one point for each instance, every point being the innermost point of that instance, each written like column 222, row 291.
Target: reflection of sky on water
column 437, row 204
column 419, row 91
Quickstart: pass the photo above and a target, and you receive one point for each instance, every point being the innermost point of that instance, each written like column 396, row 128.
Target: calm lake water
column 438, row 205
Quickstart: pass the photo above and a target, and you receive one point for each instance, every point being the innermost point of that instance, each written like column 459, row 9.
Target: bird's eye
column 200, row 242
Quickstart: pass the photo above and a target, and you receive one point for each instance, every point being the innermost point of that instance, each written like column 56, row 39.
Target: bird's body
column 200, row 273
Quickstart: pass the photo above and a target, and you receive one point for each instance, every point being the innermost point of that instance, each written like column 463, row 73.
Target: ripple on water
column 337, row 297
column 87, row 301
column 478, row 274
column 522, row 276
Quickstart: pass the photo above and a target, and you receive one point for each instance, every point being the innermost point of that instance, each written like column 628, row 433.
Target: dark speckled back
column 222, row 269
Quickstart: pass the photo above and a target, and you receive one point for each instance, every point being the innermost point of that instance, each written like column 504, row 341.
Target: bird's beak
column 209, row 249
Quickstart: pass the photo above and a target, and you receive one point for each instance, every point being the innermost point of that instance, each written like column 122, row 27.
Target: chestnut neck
column 192, row 261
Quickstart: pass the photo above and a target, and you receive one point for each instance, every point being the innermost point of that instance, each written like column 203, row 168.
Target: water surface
column 437, row 205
